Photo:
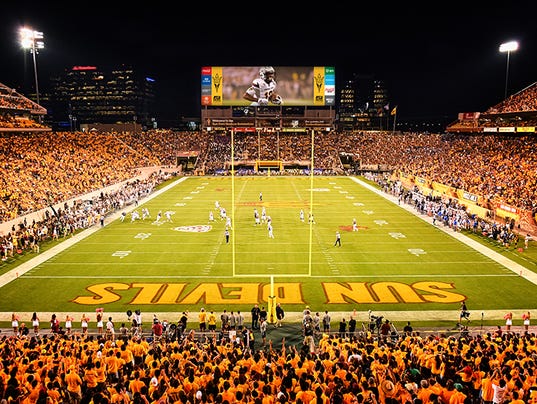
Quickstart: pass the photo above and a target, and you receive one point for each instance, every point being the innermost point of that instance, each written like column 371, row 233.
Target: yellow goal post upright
column 310, row 252
column 271, row 312
column 233, row 201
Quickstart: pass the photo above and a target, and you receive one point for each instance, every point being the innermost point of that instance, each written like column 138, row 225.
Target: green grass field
column 396, row 262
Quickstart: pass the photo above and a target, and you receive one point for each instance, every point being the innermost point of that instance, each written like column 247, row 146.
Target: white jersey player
column 168, row 215
column 135, row 215
column 270, row 231
column 145, row 213
column 263, row 89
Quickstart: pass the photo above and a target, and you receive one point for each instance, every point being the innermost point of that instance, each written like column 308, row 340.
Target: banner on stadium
column 508, row 208
column 506, row 211
column 525, row 129
column 468, row 116
column 294, row 129
column 468, row 196
column 249, row 129
column 444, row 189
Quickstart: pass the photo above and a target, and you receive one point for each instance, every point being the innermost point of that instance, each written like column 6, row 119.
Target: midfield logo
column 200, row 228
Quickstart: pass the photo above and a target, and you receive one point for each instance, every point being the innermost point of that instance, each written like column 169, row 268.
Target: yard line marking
column 212, row 256
column 417, row 263
column 330, row 261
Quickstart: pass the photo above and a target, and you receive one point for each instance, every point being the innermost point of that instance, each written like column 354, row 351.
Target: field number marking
column 121, row 254
column 416, row 251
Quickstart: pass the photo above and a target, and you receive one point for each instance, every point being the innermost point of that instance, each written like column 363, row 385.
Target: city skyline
column 433, row 65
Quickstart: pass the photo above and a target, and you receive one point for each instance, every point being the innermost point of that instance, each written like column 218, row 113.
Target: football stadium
column 269, row 257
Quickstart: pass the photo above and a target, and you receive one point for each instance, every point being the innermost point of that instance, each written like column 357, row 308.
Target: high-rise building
column 362, row 103
column 380, row 97
column 347, row 108
column 87, row 95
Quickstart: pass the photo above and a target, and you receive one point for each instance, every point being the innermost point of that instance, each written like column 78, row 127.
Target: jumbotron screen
column 268, row 85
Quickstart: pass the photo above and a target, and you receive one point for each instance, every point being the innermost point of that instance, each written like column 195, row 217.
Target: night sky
column 436, row 61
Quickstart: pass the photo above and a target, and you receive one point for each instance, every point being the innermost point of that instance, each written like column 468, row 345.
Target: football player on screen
column 263, row 89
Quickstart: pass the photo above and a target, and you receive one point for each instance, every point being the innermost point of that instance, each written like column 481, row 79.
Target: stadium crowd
column 20, row 123
column 523, row 101
column 42, row 168
column 78, row 367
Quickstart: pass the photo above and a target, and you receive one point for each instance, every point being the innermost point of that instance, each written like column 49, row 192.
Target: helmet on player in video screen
column 267, row 73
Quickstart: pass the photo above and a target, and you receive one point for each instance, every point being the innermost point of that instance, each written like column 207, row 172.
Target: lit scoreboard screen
column 304, row 86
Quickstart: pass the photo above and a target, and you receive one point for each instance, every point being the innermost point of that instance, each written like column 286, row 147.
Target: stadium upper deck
column 516, row 114
column 17, row 112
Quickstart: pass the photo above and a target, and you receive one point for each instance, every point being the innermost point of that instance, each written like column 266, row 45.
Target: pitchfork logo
column 217, row 80
column 319, row 80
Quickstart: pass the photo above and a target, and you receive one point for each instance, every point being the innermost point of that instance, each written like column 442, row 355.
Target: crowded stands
column 39, row 169
column 18, row 112
column 80, row 368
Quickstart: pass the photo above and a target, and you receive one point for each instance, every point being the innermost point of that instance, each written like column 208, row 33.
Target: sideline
column 46, row 255
column 500, row 259
column 294, row 319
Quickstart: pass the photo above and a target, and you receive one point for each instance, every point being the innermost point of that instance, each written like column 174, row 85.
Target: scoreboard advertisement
column 301, row 86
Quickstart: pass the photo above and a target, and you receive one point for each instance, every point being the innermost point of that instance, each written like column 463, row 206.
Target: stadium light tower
column 32, row 40
column 508, row 47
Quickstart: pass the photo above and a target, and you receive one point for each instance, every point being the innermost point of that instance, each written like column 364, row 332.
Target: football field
column 396, row 262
